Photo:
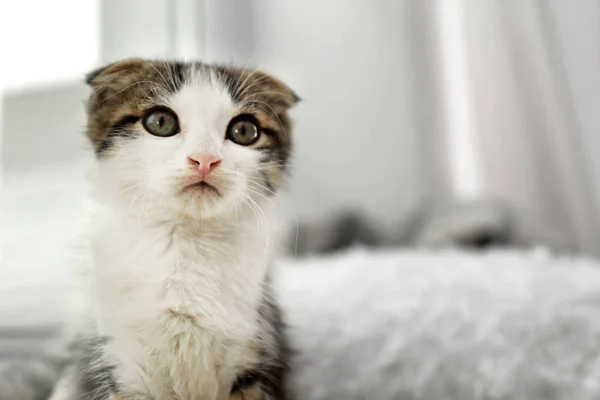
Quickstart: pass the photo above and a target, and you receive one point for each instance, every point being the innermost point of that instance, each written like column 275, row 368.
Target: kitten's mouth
column 201, row 187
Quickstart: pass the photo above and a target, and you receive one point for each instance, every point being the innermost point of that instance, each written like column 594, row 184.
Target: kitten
column 190, row 157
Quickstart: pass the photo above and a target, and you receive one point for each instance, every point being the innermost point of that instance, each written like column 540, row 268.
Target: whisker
column 147, row 94
column 123, row 191
column 262, row 79
column 237, row 93
column 262, row 187
column 158, row 72
column 264, row 92
column 246, row 198
column 263, row 221
column 267, row 166
column 236, row 87
column 260, row 194
column 173, row 76
column 289, row 206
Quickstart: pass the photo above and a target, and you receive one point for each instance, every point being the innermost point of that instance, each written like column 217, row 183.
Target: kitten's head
column 192, row 138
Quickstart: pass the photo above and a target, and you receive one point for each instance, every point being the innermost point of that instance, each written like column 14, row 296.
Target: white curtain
column 504, row 146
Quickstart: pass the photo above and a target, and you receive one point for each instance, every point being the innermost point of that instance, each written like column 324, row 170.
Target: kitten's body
column 180, row 302
column 177, row 304
column 193, row 301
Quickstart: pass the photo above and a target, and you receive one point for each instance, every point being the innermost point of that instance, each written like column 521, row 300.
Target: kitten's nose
column 204, row 163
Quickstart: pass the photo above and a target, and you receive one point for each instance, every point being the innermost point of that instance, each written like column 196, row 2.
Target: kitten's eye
column 243, row 131
column 161, row 122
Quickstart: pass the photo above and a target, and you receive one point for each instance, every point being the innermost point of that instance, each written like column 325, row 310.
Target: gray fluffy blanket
column 444, row 326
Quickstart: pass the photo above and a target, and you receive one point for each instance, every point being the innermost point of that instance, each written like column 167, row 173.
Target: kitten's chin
column 203, row 202
column 198, row 201
column 205, row 211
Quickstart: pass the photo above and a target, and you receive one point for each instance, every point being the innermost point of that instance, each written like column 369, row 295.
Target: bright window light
column 461, row 132
column 47, row 41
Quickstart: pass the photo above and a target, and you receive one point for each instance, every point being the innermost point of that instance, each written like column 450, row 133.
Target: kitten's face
column 187, row 137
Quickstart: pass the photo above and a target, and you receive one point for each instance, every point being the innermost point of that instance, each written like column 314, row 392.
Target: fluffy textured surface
column 443, row 325
column 446, row 325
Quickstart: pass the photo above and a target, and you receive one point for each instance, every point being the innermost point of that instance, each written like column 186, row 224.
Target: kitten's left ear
column 288, row 96
column 285, row 98
column 261, row 86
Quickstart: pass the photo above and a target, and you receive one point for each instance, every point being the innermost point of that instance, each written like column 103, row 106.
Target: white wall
column 135, row 28
column 46, row 41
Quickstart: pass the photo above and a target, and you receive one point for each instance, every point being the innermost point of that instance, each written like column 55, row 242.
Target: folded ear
column 249, row 86
column 275, row 91
column 114, row 73
column 289, row 98
column 92, row 75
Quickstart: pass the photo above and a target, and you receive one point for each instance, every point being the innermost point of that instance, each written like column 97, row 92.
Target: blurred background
column 471, row 123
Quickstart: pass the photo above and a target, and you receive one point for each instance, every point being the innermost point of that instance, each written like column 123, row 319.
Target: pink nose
column 204, row 163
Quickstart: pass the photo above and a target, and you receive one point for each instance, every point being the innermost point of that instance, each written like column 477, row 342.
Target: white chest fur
column 179, row 301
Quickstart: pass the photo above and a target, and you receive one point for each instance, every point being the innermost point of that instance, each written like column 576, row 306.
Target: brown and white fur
column 178, row 305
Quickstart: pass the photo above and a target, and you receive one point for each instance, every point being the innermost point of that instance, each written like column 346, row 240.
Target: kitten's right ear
column 91, row 76
column 112, row 72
